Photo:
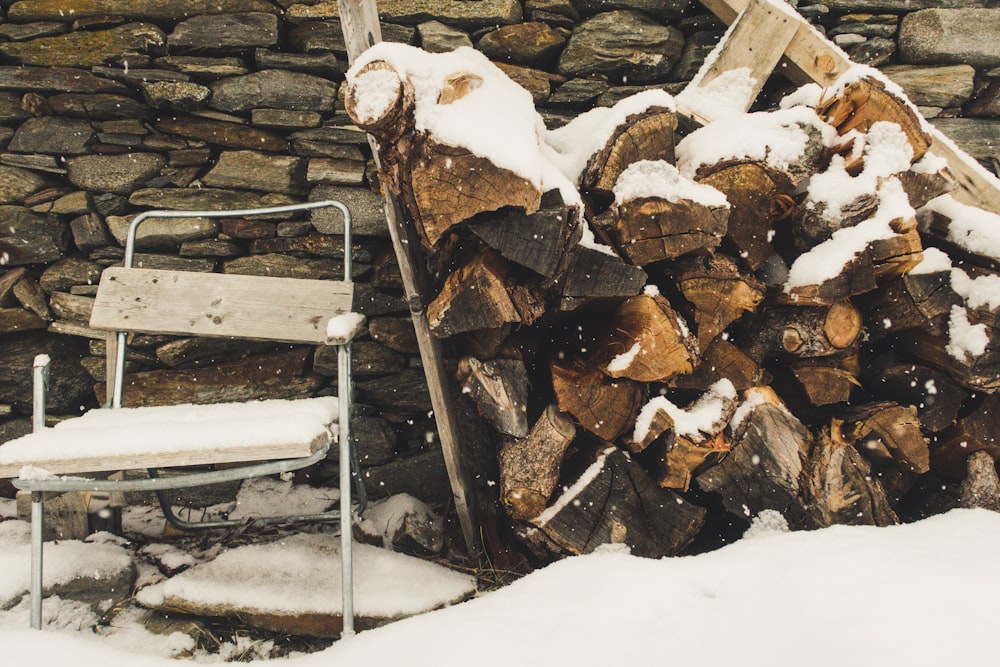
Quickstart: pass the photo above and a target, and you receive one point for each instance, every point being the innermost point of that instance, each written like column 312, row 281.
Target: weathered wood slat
column 213, row 304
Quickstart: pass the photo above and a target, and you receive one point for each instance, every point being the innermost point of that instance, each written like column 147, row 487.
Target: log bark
column 538, row 241
column 591, row 272
column 935, row 396
column 908, row 302
column 499, row 388
column 473, row 297
column 973, row 433
column 808, row 331
column 889, row 429
column 529, row 467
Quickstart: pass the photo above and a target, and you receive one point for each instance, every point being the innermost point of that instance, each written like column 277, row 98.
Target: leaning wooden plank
column 359, row 22
column 215, row 304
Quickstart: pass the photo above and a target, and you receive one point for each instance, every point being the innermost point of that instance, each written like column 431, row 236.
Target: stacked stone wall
column 109, row 107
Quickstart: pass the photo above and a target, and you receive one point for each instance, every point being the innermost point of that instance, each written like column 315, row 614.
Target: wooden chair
column 260, row 437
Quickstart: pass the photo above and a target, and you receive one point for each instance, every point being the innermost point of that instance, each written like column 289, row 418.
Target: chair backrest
column 289, row 310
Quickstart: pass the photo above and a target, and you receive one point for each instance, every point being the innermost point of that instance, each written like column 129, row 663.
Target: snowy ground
column 917, row 594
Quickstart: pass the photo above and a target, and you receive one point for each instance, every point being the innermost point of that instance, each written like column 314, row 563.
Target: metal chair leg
column 346, row 520
column 35, row 587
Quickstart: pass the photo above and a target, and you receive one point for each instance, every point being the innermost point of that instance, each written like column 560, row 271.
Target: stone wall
column 111, row 106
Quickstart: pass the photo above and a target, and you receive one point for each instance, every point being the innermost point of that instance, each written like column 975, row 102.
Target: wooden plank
column 359, row 22
column 215, row 304
column 166, row 459
column 811, row 58
column 757, row 42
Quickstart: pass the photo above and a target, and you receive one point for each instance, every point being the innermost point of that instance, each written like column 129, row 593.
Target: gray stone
column 896, row 6
column 47, row 163
column 624, row 45
column 68, row 273
column 578, row 93
column 367, row 358
column 150, row 10
column 74, row 203
column 90, row 232
column 98, row 106
column 951, row 36
column 194, row 352
column 665, row 10
column 285, row 266
column 367, row 211
column 16, row 184
column 370, row 301
column 465, row 15
column 199, row 199
column 11, row 109
column 696, row 49
column 203, row 67
column 86, row 49
column 332, row 171
column 868, row 25
column 69, row 384
column 946, row 86
column 18, row 32
column 208, row 32
column 275, row 89
column 975, row 136
column 321, row 64
column 119, row 174
column 30, row 295
column 300, row 228
column 285, row 120
column 222, row 133
column 258, row 171
column 531, row 43
column 173, row 263
column 29, row 238
column 319, row 37
column 211, row 248
column 395, row 333
column 876, row 52
column 436, row 37
column 55, row 79
column 182, row 96
column 163, row 233
column 987, row 102
column 133, row 76
column 333, row 134
column 54, row 135
column 423, row 476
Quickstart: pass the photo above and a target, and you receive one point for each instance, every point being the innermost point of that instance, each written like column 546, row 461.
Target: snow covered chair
column 260, row 437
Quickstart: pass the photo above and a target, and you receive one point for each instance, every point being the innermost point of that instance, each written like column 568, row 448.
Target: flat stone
column 318, row 245
column 147, row 260
column 317, row 37
column 90, row 232
column 68, row 273
column 436, row 37
column 29, row 238
column 867, row 25
column 222, row 133
column 321, row 64
column 31, row 296
column 876, row 52
column 535, row 81
column 423, row 476
column 98, row 106
column 696, row 48
column 199, row 199
column 85, row 49
column 976, row 136
column 951, row 36
column 624, row 45
column 299, row 569
column 11, row 109
column 120, row 174
column 371, row 302
column 239, row 228
column 464, row 15
column 204, row 67
column 16, row 184
column 163, row 233
column 13, row 320
column 69, row 384
column 73, row 203
column 258, row 171
column 293, row 228
column 211, row 248
column 150, row 10
column 284, row 266
column 195, row 352
column 180, row 96
column 274, row 89
column 54, row 135
column 133, row 76
column 665, row 10
column 946, row 86
column 212, row 32
column 284, row 119
column 332, row 171
column 987, row 102
column 55, row 79
column 367, row 211
column 19, row 32
column 896, row 6
column 578, row 93
column 367, row 358
column 396, row 333
column 529, row 43
column 333, row 134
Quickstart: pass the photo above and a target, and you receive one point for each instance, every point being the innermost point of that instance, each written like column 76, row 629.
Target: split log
column 813, row 226
column 649, row 342
column 758, row 195
column 766, row 461
column 856, row 277
column 473, row 297
column 614, row 501
column 839, row 486
column 499, row 388
column 977, row 372
column 888, row 431
column 721, row 360
column 645, row 136
column 594, row 272
column 824, row 380
column 973, row 433
column 935, row 396
column 652, row 229
column 909, row 301
column 719, row 293
column 604, row 406
column 529, row 467
column 896, row 255
column 807, row 331
column 866, row 102
column 921, row 187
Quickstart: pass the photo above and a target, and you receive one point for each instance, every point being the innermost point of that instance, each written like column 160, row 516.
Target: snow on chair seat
column 175, row 435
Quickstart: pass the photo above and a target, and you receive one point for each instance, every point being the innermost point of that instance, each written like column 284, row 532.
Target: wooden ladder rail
column 803, row 55
column 360, row 24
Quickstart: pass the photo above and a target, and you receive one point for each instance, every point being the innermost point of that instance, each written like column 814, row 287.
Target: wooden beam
column 812, row 58
column 359, row 22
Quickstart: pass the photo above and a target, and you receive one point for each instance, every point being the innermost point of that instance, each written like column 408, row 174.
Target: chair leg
column 35, row 587
column 346, row 518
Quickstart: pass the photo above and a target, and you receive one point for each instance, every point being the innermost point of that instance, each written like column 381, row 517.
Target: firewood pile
column 781, row 310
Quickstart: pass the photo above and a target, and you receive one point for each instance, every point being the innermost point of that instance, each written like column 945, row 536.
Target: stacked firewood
column 752, row 309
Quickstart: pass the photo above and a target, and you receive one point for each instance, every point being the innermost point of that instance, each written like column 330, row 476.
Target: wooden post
column 359, row 22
